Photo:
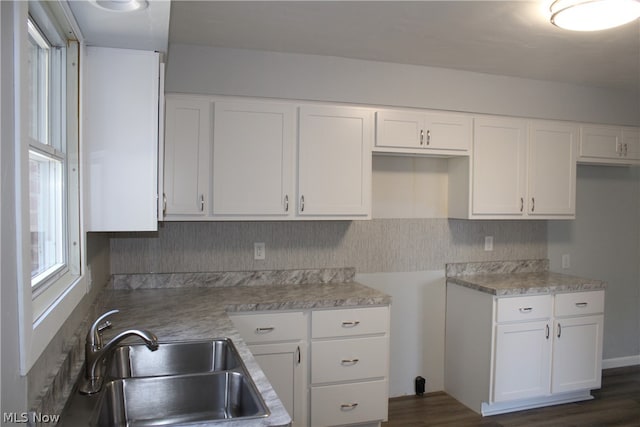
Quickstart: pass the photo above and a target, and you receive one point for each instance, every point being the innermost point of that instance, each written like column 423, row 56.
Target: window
column 53, row 147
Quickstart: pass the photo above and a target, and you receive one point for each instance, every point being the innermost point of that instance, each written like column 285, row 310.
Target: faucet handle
column 105, row 325
column 94, row 336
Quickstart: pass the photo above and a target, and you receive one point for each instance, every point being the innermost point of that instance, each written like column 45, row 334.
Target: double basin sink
column 180, row 383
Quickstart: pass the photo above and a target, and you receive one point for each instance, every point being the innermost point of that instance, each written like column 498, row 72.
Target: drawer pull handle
column 264, row 330
column 350, row 324
column 526, row 309
column 348, row 406
column 349, row 361
column 581, row 304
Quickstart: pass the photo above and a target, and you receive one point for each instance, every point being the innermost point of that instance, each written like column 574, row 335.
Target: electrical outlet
column 259, row 251
column 566, row 261
column 488, row 243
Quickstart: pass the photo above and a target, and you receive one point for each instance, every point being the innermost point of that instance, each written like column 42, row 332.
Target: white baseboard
column 619, row 362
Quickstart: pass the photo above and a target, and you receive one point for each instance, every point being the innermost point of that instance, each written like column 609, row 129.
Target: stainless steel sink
column 174, row 358
column 179, row 399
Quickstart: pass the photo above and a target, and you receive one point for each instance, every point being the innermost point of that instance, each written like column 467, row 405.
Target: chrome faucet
column 96, row 351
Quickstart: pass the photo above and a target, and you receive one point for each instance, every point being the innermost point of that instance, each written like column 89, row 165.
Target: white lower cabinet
column 352, row 403
column 349, row 366
column 577, row 341
column 511, row 353
column 342, row 380
column 522, row 361
column 283, row 366
column 278, row 341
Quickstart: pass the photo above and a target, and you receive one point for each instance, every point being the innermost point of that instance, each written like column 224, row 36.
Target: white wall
column 417, row 327
column 604, row 243
column 210, row 70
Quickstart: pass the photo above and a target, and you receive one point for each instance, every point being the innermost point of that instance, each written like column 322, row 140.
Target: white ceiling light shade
column 593, row 15
column 121, row 5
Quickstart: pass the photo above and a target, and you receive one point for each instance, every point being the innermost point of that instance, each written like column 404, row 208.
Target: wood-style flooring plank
column 617, row 404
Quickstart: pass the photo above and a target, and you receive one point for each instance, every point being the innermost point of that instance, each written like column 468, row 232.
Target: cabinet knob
column 202, row 203
column 421, row 137
column 286, row 203
column 264, row 330
column 526, row 309
column 349, row 361
column 559, row 330
column 533, row 204
column 521, row 204
column 302, row 203
column 428, row 137
column 581, row 304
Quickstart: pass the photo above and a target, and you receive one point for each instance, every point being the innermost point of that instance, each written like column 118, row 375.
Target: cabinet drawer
column 578, row 303
column 523, row 308
column 349, row 403
column 349, row 322
column 350, row 359
column 268, row 327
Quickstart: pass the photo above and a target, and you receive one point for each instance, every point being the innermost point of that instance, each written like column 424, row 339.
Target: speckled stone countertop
column 507, row 278
column 189, row 313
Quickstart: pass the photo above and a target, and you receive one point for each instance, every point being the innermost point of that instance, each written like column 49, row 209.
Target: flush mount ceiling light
column 121, row 5
column 593, row 15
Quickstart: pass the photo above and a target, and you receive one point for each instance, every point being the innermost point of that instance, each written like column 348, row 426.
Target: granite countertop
column 517, row 278
column 190, row 313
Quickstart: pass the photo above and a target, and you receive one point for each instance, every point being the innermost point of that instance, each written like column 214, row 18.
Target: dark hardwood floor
column 617, row 403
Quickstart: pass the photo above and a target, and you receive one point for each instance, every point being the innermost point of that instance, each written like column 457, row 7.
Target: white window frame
column 43, row 312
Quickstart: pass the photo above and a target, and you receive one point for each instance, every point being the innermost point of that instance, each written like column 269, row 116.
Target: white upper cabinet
column 334, row 162
column 187, row 157
column 518, row 169
column 121, row 120
column 253, row 148
column 422, row 133
column 611, row 145
column 499, row 166
column 552, row 168
column 237, row 159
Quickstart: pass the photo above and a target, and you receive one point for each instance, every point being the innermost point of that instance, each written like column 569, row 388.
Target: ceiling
column 511, row 38
column 143, row 29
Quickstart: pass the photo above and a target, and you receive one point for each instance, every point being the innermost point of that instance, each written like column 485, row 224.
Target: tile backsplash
column 379, row 245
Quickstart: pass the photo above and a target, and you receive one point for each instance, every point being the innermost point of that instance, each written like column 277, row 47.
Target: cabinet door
column 121, row 139
column 599, row 143
column 400, row 129
column 499, row 166
column 447, row 132
column 552, row 168
column 187, row 159
column 284, row 366
column 334, row 161
column 252, row 158
column 522, row 362
column 577, row 354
